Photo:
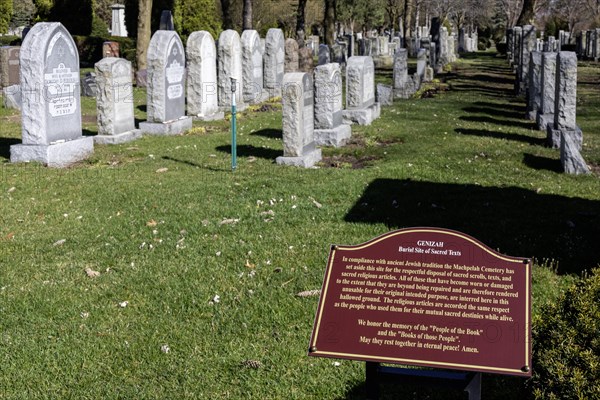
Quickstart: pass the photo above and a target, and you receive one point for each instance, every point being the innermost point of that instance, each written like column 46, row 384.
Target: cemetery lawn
column 198, row 268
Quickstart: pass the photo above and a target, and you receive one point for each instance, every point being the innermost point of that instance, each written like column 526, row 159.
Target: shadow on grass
column 492, row 91
column 490, row 120
column 539, row 163
column 248, row 150
column 269, row 133
column 496, row 112
column 517, row 109
column 516, row 221
column 5, row 144
column 500, row 135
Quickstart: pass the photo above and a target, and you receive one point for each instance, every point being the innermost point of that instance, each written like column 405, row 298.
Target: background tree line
column 299, row 18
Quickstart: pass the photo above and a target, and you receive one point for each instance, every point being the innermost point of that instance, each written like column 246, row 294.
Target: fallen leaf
column 251, row 159
column 161, row 170
column 267, row 213
column 91, row 273
column 309, row 293
column 229, row 221
column 151, row 223
column 123, row 304
column 165, row 348
column 59, row 242
column 249, row 264
column 12, row 189
column 255, row 364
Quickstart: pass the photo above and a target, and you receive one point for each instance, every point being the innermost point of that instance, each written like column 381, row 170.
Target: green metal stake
column 233, row 127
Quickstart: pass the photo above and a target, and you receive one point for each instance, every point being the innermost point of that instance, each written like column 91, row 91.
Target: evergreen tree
column 5, row 14
column 23, row 13
column 196, row 15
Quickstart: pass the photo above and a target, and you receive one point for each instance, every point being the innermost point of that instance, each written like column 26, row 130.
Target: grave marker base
column 119, row 138
column 176, row 127
column 217, row 116
column 307, row 160
column 335, row 137
column 544, row 121
column 553, row 136
column 57, row 155
column 362, row 116
column 469, row 382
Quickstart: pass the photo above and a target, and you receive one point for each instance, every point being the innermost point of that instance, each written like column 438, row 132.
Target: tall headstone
column 202, row 99
column 305, row 60
column 361, row 107
column 274, row 62
column 118, row 27
column 570, row 156
column 252, row 67
column 166, row 21
column 229, row 65
column 9, row 66
column 324, row 54
column 545, row 115
column 509, row 45
column 565, row 101
column 518, row 38
column 329, row 129
column 114, row 102
column 291, row 56
column 299, row 147
column 527, row 46
column 421, row 63
column 51, row 103
column 166, row 86
column 535, row 81
column 400, row 68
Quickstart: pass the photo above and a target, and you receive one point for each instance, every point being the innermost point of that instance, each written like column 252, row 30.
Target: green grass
column 463, row 159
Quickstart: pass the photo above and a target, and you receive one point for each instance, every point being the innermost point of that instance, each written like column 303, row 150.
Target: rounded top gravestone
column 202, row 74
column 229, row 65
column 360, row 82
column 166, row 77
column 252, row 66
column 274, row 58
column 50, row 85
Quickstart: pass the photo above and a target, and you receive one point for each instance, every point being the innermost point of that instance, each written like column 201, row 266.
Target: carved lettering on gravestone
column 13, row 65
column 174, row 73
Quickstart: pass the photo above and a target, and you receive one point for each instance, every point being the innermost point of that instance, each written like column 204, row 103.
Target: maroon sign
column 429, row 297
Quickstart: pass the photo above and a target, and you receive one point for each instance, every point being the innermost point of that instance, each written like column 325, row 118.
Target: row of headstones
column 549, row 81
column 588, row 44
column 312, row 108
column 468, row 40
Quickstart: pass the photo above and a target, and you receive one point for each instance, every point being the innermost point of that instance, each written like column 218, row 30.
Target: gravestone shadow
column 513, row 220
column 496, row 112
column 269, row 133
column 5, row 144
column 495, row 121
column 542, row 163
column 248, row 150
column 501, row 135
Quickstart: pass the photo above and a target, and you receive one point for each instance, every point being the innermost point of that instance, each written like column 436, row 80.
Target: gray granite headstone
column 299, row 147
column 385, row 94
column 361, row 107
column 535, row 81
column 229, row 65
column 324, row 54
column 421, row 62
column 51, row 103
column 12, row 97
column 9, row 66
column 166, row 86
column 565, row 101
column 291, row 55
column 548, row 89
column 252, row 67
column 305, row 60
column 114, row 102
column 527, row 46
column 517, row 39
column 570, row 156
column 202, row 101
column 88, row 85
column 274, row 62
column 329, row 129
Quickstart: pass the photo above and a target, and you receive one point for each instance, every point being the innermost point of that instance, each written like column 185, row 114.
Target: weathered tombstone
column 9, row 66
column 545, row 115
column 518, row 38
column 252, row 67
column 338, row 53
column 570, row 156
column 305, row 60
column 118, row 27
column 202, row 101
column 166, row 86
column 273, row 62
column 51, row 108
column 509, row 44
column 110, row 49
column 361, row 107
column 88, row 85
column 385, row 94
column 166, row 21
column 299, row 148
column 141, row 78
column 565, row 101
column 535, row 80
column 382, row 44
column 11, row 97
column 421, row 63
column 314, row 44
column 400, row 68
column 324, row 55
column 329, row 129
column 229, row 65
column 114, row 102
column 527, row 46
column 291, row 55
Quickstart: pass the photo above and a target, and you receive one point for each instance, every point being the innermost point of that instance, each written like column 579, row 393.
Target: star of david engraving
column 61, row 51
column 175, row 51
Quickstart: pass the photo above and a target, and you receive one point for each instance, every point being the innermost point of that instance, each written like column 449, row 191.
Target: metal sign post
column 233, row 127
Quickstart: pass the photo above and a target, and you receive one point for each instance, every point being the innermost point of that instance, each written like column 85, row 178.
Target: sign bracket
column 469, row 382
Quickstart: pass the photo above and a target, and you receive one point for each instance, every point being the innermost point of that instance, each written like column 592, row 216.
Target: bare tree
column 329, row 22
column 226, row 11
column 247, row 15
column 143, row 33
column 408, row 12
column 300, row 22
column 527, row 12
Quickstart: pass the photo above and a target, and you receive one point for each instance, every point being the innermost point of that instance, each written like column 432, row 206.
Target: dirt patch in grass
column 266, row 108
column 348, row 161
